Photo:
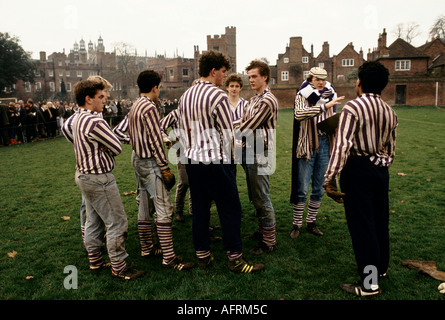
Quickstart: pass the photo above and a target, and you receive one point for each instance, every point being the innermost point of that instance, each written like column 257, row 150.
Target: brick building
column 416, row 74
column 60, row 69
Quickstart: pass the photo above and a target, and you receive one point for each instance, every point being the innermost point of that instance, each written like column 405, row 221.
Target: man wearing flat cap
column 315, row 101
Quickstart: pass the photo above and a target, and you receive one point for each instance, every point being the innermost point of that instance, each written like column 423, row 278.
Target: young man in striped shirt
column 363, row 151
column 206, row 123
column 258, row 126
column 95, row 147
column 152, row 172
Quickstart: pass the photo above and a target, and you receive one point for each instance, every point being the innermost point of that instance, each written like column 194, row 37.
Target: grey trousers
column 104, row 209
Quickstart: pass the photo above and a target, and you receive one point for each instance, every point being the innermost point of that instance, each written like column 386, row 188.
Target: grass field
column 36, row 244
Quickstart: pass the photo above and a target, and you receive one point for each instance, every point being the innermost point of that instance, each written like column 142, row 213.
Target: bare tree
column 406, row 32
column 412, row 31
column 127, row 70
column 438, row 28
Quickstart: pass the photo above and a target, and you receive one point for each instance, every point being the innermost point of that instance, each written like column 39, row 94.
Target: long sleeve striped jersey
column 367, row 127
column 145, row 132
column 206, row 123
column 95, row 145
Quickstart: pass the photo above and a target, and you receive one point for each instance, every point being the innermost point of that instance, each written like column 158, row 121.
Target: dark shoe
column 180, row 217
column 205, row 262
column 153, row 252
column 257, row 236
column 312, row 228
column 97, row 269
column 242, row 266
column 128, row 274
column 261, row 248
column 295, row 232
column 177, row 264
column 359, row 290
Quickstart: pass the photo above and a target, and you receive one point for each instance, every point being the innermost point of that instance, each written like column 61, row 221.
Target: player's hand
column 169, row 178
column 442, row 287
column 332, row 191
column 332, row 103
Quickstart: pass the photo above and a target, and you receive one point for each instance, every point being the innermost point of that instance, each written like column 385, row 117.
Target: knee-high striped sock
column 269, row 236
column 95, row 259
column 145, row 236
column 166, row 240
column 118, row 266
column 312, row 210
column 298, row 210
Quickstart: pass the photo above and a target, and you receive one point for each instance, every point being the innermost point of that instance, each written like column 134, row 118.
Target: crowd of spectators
column 22, row 122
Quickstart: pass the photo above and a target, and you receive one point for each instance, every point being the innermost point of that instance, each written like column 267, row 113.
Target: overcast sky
column 170, row 26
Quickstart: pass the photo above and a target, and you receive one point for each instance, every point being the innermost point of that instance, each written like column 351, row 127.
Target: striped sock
column 233, row 255
column 166, row 240
column 95, row 259
column 118, row 266
column 269, row 236
column 82, row 231
column 145, row 236
column 298, row 210
column 312, row 210
column 202, row 254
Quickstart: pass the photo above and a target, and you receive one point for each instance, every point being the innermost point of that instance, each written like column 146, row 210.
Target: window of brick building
column 286, row 60
column 403, row 65
column 284, row 75
column 347, row 62
column 305, row 60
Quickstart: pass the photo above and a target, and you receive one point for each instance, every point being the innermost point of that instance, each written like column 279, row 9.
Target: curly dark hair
column 262, row 66
column 234, row 78
column 373, row 77
column 210, row 60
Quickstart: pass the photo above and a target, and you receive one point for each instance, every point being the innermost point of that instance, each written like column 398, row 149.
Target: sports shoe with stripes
column 205, row 262
column 242, row 266
column 359, row 290
column 152, row 253
column 177, row 264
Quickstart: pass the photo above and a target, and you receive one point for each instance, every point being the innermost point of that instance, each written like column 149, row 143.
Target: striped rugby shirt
column 171, row 120
column 206, row 123
column 261, row 114
column 95, row 145
column 239, row 110
column 145, row 132
column 120, row 130
column 367, row 127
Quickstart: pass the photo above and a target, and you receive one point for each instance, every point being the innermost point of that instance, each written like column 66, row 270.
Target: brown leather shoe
column 295, row 232
column 312, row 228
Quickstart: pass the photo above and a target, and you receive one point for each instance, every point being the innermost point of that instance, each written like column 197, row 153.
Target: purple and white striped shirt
column 367, row 127
column 121, row 129
column 95, row 145
column 171, row 120
column 206, row 123
column 238, row 111
column 145, row 132
column 261, row 117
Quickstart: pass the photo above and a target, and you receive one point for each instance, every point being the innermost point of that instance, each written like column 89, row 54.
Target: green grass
column 38, row 188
